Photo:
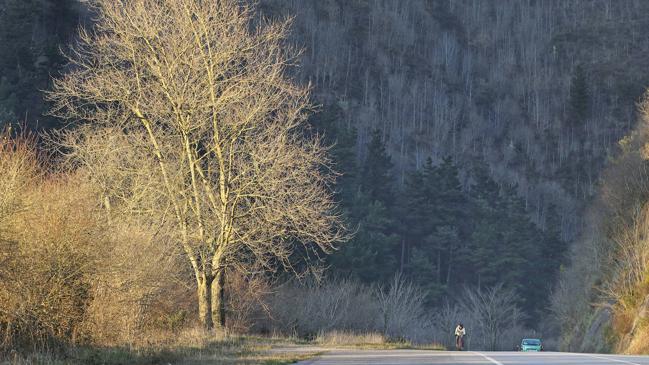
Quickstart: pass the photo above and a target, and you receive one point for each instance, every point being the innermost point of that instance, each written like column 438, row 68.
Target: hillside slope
column 541, row 90
column 602, row 300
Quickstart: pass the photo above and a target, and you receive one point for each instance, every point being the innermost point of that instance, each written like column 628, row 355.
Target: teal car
column 531, row 344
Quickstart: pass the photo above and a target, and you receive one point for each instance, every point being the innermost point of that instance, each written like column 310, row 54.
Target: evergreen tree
column 370, row 254
column 486, row 235
column 434, row 218
column 507, row 247
column 375, row 178
column 343, row 151
column 553, row 250
column 496, row 246
column 523, row 241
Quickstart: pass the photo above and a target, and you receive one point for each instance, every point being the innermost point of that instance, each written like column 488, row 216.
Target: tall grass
column 338, row 338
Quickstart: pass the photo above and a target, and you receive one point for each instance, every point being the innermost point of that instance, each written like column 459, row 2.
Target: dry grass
column 640, row 342
column 192, row 347
column 368, row 340
column 339, row 338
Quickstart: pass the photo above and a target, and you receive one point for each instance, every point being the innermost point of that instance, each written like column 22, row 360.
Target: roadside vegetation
column 603, row 298
column 192, row 347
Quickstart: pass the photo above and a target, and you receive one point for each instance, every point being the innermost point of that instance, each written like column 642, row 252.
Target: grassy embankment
column 194, row 348
column 240, row 350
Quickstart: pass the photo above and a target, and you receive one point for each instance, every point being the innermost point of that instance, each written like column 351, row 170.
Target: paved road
column 416, row 357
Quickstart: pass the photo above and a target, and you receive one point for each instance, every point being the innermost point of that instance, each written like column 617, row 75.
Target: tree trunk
column 218, row 300
column 439, row 266
column 403, row 254
column 205, row 302
column 450, row 265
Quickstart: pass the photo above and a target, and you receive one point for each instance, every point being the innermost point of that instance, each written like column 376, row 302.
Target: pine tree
column 498, row 242
column 434, row 219
column 375, row 178
column 343, row 151
column 553, row 249
column 507, row 247
column 485, row 244
column 369, row 255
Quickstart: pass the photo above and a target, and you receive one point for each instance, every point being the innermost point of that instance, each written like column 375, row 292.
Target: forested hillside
column 31, row 35
column 469, row 138
column 441, row 235
column 539, row 90
column 531, row 94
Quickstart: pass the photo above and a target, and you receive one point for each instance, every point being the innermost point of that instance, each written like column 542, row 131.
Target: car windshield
column 531, row 342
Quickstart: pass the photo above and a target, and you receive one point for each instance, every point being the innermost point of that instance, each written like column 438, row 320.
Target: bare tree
column 197, row 88
column 401, row 306
column 494, row 311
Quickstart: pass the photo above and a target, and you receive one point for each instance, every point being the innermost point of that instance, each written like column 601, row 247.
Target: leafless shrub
column 446, row 318
column 311, row 308
column 50, row 250
column 494, row 311
column 141, row 289
column 401, row 307
column 70, row 274
column 246, row 298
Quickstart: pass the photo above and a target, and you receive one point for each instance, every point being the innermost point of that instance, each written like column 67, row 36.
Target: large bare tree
column 202, row 90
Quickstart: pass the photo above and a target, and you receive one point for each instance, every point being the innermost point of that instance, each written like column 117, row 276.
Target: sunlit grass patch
column 190, row 348
column 369, row 340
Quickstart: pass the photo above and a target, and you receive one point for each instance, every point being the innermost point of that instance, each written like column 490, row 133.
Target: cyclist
column 460, row 332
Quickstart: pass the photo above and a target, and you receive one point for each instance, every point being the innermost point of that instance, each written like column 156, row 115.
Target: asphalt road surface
column 416, row 357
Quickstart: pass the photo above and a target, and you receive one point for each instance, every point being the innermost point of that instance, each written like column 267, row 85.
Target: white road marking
column 488, row 358
column 610, row 359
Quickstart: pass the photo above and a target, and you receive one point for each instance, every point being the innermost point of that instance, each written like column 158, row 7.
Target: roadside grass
column 370, row 341
column 195, row 347
column 228, row 350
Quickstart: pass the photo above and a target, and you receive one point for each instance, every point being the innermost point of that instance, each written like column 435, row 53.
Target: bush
column 331, row 310
column 310, row 308
column 50, row 238
column 69, row 273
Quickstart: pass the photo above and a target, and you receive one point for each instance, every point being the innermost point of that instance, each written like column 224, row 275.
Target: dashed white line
column 488, row 358
column 610, row 359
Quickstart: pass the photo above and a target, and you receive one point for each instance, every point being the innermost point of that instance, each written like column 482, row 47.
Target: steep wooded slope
column 540, row 90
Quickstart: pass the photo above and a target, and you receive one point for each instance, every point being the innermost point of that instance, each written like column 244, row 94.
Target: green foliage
column 507, row 247
column 364, row 194
column 369, row 256
column 375, row 178
column 433, row 213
